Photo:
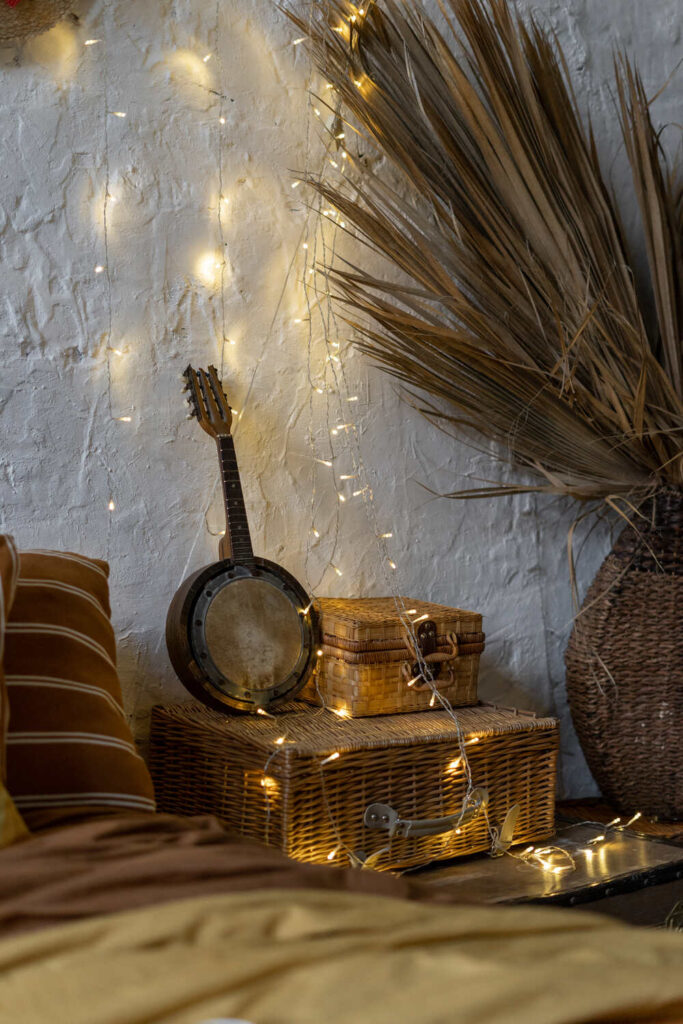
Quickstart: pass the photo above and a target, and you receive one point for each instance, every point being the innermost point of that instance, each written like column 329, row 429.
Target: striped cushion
column 70, row 752
column 11, row 825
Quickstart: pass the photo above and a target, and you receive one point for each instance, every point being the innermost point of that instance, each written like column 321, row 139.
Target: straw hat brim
column 29, row 18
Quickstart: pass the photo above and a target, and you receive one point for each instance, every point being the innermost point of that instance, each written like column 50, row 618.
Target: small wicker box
column 296, row 796
column 369, row 663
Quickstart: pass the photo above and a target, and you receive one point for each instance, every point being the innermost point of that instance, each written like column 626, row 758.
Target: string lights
column 327, row 377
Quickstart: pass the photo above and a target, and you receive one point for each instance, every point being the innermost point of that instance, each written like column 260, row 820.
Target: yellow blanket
column 302, row 957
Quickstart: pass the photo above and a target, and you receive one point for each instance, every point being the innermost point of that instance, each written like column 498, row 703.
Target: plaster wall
column 65, row 453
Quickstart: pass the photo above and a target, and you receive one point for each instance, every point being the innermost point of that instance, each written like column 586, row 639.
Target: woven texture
column 70, row 752
column 367, row 663
column 625, row 665
column 203, row 762
column 29, row 18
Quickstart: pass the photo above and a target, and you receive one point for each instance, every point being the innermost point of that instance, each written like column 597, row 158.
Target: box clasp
column 385, row 817
column 430, row 655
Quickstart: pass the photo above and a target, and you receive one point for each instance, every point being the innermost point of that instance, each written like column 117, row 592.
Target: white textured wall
column 63, row 455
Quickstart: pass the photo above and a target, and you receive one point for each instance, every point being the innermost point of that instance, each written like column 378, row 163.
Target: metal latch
column 430, row 656
column 382, row 816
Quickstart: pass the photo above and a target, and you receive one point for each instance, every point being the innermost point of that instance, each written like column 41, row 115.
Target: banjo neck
column 236, row 543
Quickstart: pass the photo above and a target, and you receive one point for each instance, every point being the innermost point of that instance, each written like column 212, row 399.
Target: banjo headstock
column 208, row 402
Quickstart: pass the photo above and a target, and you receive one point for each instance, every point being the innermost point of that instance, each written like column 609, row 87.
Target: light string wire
column 221, row 197
column 553, row 859
column 537, row 857
column 101, row 59
column 323, row 305
column 543, row 857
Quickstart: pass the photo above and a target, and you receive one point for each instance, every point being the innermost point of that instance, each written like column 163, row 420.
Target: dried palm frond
column 517, row 310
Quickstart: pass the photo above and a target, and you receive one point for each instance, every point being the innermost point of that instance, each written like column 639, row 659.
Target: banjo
column 242, row 633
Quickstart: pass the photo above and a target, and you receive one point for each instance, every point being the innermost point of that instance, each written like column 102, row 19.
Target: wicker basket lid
column 30, row 17
column 319, row 732
column 365, row 623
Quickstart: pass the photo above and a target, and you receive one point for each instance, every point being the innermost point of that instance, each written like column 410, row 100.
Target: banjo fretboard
column 236, row 525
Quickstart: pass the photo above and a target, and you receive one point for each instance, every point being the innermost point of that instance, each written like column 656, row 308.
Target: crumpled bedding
column 135, row 859
column 288, row 956
column 157, row 919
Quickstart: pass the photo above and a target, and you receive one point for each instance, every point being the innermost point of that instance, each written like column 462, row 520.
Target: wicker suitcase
column 370, row 666
column 305, row 781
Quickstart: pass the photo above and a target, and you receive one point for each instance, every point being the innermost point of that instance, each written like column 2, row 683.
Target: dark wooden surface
column 596, row 809
column 636, row 877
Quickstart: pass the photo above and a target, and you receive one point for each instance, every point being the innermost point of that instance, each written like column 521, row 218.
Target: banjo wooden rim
column 209, row 684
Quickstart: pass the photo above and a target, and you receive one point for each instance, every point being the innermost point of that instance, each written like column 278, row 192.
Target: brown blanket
column 134, row 860
column 198, row 939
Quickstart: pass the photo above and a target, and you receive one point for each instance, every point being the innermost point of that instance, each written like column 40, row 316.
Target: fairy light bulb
column 387, row 536
column 333, row 853
column 111, row 506
column 392, row 565
column 99, row 268
column 91, row 42
column 332, row 757
column 119, row 113
column 124, row 419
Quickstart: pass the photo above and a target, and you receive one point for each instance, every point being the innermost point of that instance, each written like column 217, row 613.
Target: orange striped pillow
column 11, row 825
column 70, row 752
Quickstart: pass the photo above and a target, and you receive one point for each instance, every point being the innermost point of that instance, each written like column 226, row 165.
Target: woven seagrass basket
column 625, row 664
column 369, row 664
column 29, row 18
column 294, row 795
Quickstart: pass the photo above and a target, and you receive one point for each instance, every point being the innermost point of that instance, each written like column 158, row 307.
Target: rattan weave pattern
column 204, row 762
column 625, row 665
column 367, row 661
column 382, row 689
column 30, row 18
column 468, row 643
column 365, row 619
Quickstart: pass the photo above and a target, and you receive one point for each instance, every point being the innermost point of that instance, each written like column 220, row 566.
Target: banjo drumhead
column 253, row 634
